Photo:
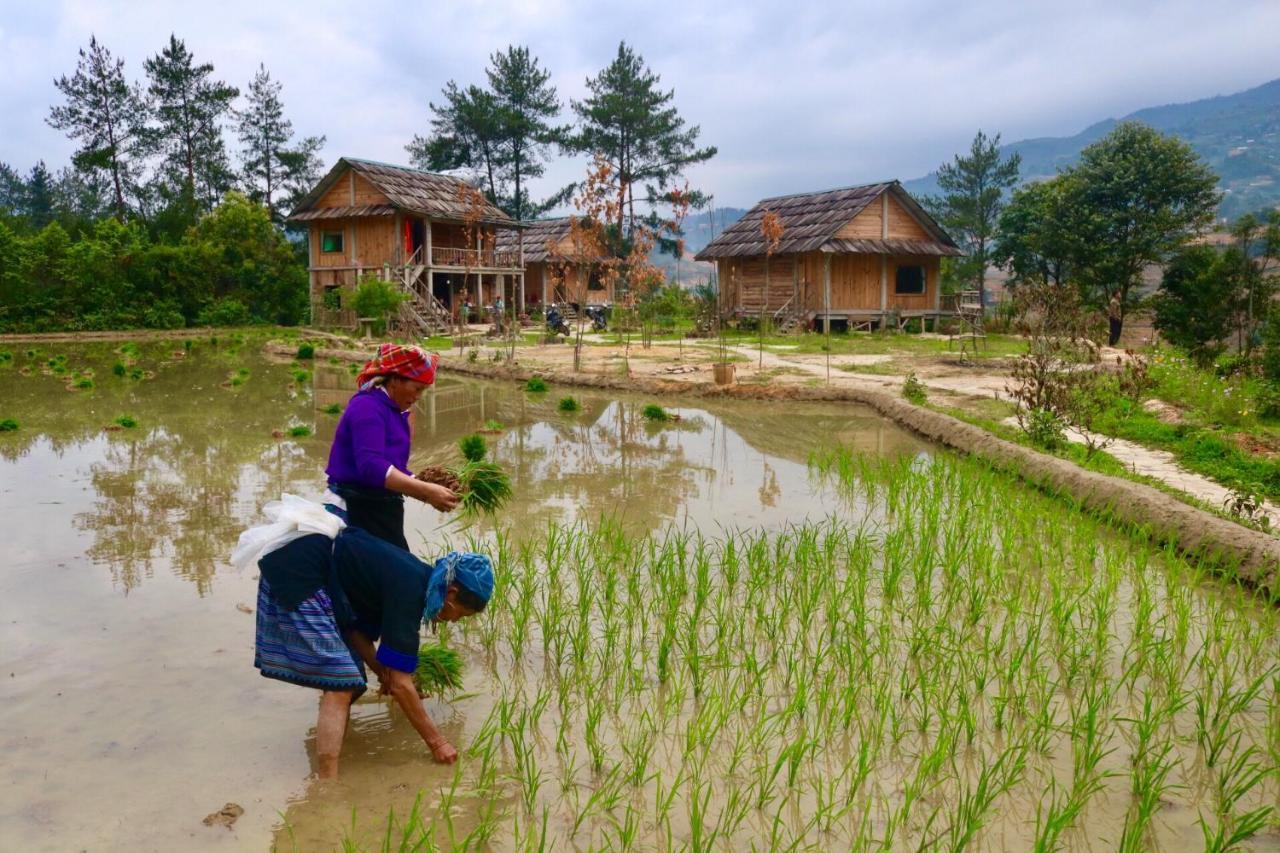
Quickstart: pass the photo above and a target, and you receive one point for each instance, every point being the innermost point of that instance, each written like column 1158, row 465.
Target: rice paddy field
column 744, row 626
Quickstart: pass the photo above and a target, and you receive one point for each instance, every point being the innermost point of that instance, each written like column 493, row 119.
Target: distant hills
column 1237, row 135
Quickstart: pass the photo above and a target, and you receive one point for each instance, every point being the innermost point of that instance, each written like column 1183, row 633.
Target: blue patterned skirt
column 304, row 646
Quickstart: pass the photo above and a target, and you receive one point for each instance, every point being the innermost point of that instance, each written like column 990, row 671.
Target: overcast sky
column 797, row 96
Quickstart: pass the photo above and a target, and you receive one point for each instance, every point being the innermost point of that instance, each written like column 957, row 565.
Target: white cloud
column 796, row 96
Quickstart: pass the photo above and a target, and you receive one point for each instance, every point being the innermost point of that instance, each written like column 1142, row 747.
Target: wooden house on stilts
column 429, row 233
column 866, row 256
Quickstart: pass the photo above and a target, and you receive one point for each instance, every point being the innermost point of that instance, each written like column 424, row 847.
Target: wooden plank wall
column 903, row 225
column 865, row 226
column 352, row 189
column 746, row 280
column 920, row 302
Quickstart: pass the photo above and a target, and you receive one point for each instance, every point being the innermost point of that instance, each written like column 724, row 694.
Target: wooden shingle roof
column 411, row 190
column 539, row 235
column 810, row 222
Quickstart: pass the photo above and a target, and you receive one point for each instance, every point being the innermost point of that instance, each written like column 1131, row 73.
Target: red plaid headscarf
column 397, row 360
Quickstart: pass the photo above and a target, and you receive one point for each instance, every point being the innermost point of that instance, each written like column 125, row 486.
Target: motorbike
column 555, row 322
column 599, row 317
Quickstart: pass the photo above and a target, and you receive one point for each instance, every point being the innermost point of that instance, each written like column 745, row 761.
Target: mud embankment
column 1248, row 554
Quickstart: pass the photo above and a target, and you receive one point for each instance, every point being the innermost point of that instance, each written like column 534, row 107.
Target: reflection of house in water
column 775, row 430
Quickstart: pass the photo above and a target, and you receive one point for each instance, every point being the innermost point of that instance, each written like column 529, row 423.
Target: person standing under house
column 1115, row 319
column 368, row 462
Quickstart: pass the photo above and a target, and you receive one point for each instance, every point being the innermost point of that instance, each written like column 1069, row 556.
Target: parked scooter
column 599, row 317
column 555, row 322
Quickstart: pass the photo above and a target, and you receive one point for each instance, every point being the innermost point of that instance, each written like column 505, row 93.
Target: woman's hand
column 438, row 496
column 443, row 751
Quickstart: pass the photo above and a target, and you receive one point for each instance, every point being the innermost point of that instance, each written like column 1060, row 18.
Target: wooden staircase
column 421, row 315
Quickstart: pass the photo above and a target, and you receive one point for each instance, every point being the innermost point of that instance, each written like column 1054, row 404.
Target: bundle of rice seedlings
column 536, row 384
column 485, row 487
column 568, row 404
column 439, row 669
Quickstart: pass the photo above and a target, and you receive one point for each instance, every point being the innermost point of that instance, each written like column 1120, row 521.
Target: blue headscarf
column 466, row 569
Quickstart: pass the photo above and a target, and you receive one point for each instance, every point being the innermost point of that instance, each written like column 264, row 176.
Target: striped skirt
column 304, row 646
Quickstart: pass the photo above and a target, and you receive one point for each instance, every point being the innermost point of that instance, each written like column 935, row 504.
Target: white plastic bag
column 292, row 518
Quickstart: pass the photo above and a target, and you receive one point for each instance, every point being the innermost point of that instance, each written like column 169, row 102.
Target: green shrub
column 224, row 312
column 126, row 421
column 306, row 351
column 1045, row 429
column 568, row 404
column 377, row 299
column 654, row 412
column 914, row 390
column 536, row 384
column 8, row 425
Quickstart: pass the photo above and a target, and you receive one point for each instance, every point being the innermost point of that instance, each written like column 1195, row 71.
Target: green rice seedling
column 5, row 356
column 306, row 351
column 536, row 384
column 439, row 669
column 332, row 409
column 137, row 373
column 654, row 412
column 119, row 369
column 83, row 383
column 473, row 447
column 126, row 421
column 299, row 431
column 493, row 426
column 31, row 353
column 302, row 377
column 568, row 404
column 9, row 425
column 486, row 487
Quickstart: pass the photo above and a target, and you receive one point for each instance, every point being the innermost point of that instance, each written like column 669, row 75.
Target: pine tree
column 38, row 203
column 973, row 190
column 465, row 134
column 631, row 123
column 526, row 105
column 107, row 116
column 272, row 170
column 13, row 191
column 189, row 110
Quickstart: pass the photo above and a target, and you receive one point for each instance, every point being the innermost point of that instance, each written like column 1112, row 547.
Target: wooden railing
column 448, row 256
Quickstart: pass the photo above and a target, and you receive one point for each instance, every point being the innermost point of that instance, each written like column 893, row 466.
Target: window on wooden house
column 331, row 241
column 910, row 280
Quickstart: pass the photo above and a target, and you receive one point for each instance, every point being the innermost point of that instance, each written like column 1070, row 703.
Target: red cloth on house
column 407, row 361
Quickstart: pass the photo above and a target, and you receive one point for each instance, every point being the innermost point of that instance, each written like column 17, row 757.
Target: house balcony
column 448, row 257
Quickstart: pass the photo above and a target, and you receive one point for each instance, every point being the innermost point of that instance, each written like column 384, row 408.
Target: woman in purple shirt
column 369, row 461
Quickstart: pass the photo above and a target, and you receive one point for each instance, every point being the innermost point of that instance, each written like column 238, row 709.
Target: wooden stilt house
column 418, row 229
column 867, row 256
column 556, row 268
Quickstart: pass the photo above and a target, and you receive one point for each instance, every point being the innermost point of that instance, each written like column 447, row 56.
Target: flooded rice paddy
column 699, row 638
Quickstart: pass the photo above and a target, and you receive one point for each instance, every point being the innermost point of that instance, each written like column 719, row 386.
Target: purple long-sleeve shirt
column 372, row 436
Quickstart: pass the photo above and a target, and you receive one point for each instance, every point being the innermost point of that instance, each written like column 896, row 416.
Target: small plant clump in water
column 914, row 390
column 439, row 669
column 137, row 373
column 126, row 421
column 306, row 351
column 238, row 378
column 302, row 377
column 473, row 447
column 568, row 404
column 8, row 425
column 332, row 409
column 654, row 412
column 535, row 384
column 299, row 431
column 83, row 383
column 492, row 426
column 5, row 356
column 119, row 369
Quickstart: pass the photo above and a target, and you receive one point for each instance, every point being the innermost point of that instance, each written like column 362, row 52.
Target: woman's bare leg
column 331, row 728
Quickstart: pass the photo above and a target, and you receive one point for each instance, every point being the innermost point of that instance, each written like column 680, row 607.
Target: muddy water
column 130, row 706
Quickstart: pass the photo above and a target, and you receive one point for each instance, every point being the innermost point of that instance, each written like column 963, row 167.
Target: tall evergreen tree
column 107, row 115
column 527, row 104
column 39, row 202
column 13, row 191
column 189, row 109
column 273, row 171
column 973, row 189
column 629, row 121
column 466, row 134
